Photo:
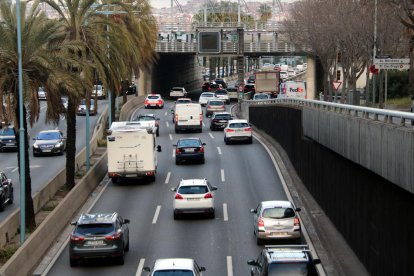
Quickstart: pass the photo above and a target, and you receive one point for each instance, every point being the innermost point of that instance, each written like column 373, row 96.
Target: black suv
column 8, row 138
column 284, row 260
column 222, row 82
column 99, row 236
column 6, row 191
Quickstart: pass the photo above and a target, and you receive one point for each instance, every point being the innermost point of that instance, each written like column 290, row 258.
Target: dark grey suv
column 99, row 236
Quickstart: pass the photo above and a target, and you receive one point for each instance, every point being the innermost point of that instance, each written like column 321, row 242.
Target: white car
column 175, row 266
column 41, row 93
column 178, row 92
column 238, row 130
column 205, row 97
column 98, row 90
column 149, row 121
column 194, row 196
column 222, row 94
column 154, row 100
column 82, row 108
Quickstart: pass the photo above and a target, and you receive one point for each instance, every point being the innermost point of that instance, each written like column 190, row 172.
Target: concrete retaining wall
column 385, row 149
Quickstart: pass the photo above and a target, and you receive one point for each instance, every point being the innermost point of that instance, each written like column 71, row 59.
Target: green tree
column 115, row 43
column 41, row 46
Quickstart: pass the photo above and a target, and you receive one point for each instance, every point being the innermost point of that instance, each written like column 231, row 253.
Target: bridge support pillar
column 311, row 78
column 144, row 83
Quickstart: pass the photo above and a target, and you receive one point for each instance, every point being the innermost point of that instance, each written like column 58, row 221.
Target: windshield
column 145, row 118
column 94, row 229
column 189, row 143
column 207, row 95
column 278, row 213
column 173, row 272
column 223, row 116
column 293, row 269
column 221, row 92
column 48, row 136
column 7, row 131
column 153, row 97
column 237, row 125
column 261, row 96
column 83, row 102
column 191, row 190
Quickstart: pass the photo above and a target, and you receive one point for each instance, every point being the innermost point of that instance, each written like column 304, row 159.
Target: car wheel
column 11, row 197
column 212, row 215
column 121, row 259
column 200, row 130
column 259, row 241
column 35, row 154
column 176, row 216
column 226, row 141
column 73, row 262
column 62, row 151
column 127, row 246
column 211, row 128
column 114, row 180
column 145, row 107
column 157, row 132
column 177, row 161
column 203, row 160
column 250, row 140
column 2, row 204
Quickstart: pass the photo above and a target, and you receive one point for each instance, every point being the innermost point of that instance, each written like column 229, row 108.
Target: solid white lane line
column 168, row 124
column 157, row 212
column 173, row 153
column 165, row 114
column 204, row 124
column 140, row 267
column 219, row 150
column 225, row 212
column 171, row 137
column 167, row 179
column 222, row 176
column 229, row 266
column 211, row 135
column 15, row 169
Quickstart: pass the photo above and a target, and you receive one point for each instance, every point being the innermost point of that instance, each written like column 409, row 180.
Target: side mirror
column 214, row 188
column 73, row 223
column 252, row 262
column 158, row 148
column 316, row 261
column 147, row 269
column 203, row 144
column 253, row 211
column 298, row 209
column 202, row 268
column 173, row 189
column 126, row 221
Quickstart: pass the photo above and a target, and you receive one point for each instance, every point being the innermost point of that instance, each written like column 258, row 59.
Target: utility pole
column 374, row 52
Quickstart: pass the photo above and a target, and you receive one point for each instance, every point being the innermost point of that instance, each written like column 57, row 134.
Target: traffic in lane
column 244, row 175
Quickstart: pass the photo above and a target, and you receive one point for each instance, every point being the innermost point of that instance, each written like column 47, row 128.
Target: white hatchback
column 175, row 266
column 238, row 130
column 194, row 196
column 205, row 97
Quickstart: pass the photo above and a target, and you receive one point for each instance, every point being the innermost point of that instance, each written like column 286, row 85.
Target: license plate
column 239, row 130
column 193, row 199
column 95, row 242
column 279, row 234
column 46, row 150
column 189, row 150
column 131, row 175
column 153, row 104
column 9, row 144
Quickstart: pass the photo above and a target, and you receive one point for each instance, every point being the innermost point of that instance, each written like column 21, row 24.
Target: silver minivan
column 276, row 220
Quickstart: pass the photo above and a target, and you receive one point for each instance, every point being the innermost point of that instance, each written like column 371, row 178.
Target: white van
column 188, row 116
column 292, row 89
column 132, row 151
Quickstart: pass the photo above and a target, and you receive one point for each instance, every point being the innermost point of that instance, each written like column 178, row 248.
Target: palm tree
column 40, row 47
column 114, row 46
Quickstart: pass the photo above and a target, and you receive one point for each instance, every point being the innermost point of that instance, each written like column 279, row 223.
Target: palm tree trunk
column 29, row 210
column 71, row 143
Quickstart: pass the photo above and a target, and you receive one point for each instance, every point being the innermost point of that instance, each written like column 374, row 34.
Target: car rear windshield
column 296, row 269
column 221, row 92
column 7, row 131
column 173, row 272
column 183, row 101
column 209, row 95
column 216, row 103
column 189, row 143
column 262, row 96
column 278, row 213
column 191, row 190
column 223, row 116
column 153, row 97
column 95, row 229
column 145, row 118
column 237, row 125
column 177, row 89
column 48, row 136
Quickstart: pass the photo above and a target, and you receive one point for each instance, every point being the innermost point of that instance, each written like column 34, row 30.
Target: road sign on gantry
column 392, row 63
column 209, row 42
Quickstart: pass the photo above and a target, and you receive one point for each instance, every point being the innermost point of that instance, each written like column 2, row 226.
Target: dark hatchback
column 8, row 139
column 99, row 236
column 189, row 149
column 219, row 120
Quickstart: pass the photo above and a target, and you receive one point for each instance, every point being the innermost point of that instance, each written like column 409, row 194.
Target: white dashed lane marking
column 229, row 266
column 211, row 135
column 219, row 150
column 167, row 179
column 171, row 137
column 222, row 176
column 157, row 212
column 167, row 124
column 225, row 212
column 140, row 267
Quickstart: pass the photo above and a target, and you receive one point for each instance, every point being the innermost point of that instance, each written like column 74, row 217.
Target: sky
column 167, row 3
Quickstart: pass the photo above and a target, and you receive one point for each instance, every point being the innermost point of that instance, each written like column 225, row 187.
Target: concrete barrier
column 126, row 109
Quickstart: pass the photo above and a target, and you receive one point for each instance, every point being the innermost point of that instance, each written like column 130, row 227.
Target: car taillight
column 176, row 119
column 248, row 129
column 229, row 130
column 221, row 106
column 209, row 88
column 296, row 222
column 201, row 150
column 201, row 117
column 208, row 195
column 159, row 102
column 115, row 236
column 146, row 102
column 76, row 238
column 260, row 223
column 177, row 151
column 178, row 196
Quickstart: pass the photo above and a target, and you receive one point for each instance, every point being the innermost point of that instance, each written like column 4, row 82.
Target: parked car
column 41, row 94
column 189, row 149
column 205, row 97
column 194, row 196
column 93, row 109
column 6, row 191
column 8, row 138
column 261, row 97
column 219, row 120
column 222, row 82
column 238, row 130
column 149, row 121
column 176, row 266
column 178, row 92
column 284, row 260
column 154, row 100
column 99, row 235
column 99, row 91
column 276, row 220
column 222, row 94
column 49, row 142
column 214, row 106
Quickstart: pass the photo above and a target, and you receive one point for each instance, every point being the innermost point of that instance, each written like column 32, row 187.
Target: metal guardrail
column 357, row 111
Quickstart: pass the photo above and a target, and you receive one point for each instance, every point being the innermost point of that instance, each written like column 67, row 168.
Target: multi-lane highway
column 43, row 168
column 244, row 175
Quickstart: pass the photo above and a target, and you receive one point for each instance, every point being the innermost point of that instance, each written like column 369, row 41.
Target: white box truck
column 292, row 89
column 132, row 152
column 188, row 116
column 267, row 82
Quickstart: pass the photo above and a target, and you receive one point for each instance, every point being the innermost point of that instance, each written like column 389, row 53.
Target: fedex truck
column 132, row 151
column 292, row 89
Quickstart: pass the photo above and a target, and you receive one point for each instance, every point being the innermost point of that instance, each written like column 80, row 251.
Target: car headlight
column 35, row 146
column 58, row 144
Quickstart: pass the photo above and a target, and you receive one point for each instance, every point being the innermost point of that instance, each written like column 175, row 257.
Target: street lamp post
column 22, row 162
column 375, row 51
